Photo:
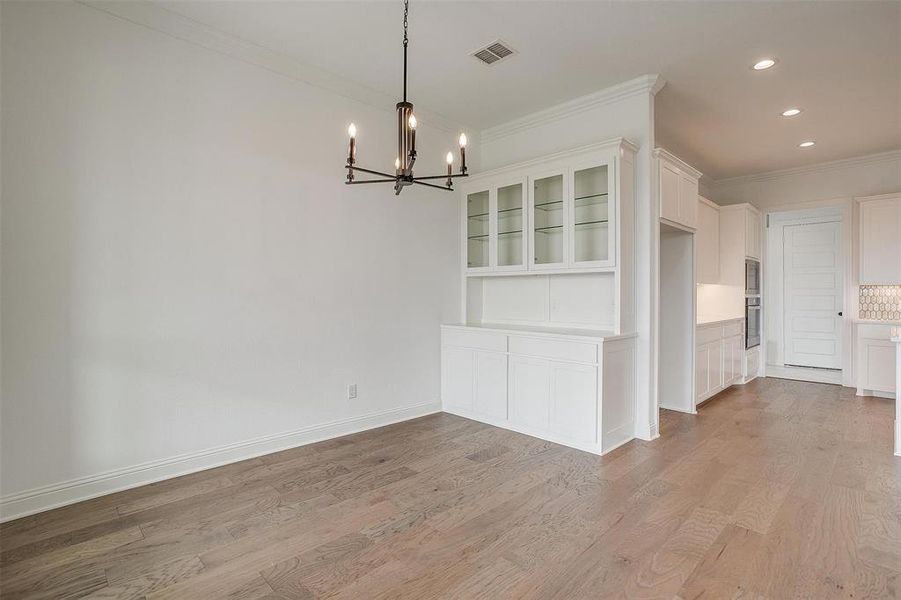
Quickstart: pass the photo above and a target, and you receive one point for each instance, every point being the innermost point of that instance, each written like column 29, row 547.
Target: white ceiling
column 839, row 61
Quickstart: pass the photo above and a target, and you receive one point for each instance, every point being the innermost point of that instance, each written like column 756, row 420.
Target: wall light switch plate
column 352, row 391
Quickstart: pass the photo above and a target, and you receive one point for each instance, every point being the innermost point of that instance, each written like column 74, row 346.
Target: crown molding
column 669, row 156
column 153, row 16
column 844, row 163
column 646, row 84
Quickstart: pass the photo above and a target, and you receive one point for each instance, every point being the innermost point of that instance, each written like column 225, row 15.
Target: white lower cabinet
column 876, row 361
column 718, row 358
column 573, row 402
column 530, row 392
column 490, row 390
column 548, row 387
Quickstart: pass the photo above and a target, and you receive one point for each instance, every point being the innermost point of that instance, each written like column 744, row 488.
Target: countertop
column 710, row 319
column 567, row 332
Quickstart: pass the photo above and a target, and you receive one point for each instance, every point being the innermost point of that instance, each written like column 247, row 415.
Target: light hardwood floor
column 779, row 489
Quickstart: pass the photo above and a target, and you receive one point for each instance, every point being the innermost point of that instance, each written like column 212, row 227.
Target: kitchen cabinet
column 677, row 190
column 571, row 388
column 876, row 361
column 707, row 242
column 741, row 237
column 719, row 354
column 753, row 225
column 880, row 240
column 556, row 214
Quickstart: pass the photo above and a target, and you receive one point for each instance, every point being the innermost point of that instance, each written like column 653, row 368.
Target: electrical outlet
column 352, row 391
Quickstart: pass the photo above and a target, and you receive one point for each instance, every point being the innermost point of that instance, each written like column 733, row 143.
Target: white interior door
column 812, row 270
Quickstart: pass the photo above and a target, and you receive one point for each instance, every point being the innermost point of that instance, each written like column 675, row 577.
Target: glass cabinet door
column 548, row 221
column 591, row 215
column 477, row 229
column 510, row 225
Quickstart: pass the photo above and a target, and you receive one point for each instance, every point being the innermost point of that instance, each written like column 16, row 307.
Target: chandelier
column 406, row 146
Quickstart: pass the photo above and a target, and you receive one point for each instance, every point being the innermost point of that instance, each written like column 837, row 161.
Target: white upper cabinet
column 495, row 226
column 556, row 214
column 677, row 189
column 753, row 226
column 880, row 240
column 593, row 233
column 707, row 242
column 549, row 206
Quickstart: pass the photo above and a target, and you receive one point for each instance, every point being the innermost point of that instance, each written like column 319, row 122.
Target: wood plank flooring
column 778, row 489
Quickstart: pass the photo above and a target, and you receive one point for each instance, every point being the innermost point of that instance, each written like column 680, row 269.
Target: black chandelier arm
column 441, row 176
column 357, row 182
column 371, row 172
column 432, row 185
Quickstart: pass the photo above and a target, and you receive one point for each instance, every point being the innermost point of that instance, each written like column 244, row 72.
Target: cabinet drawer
column 730, row 329
column 705, row 335
column 480, row 340
column 555, row 349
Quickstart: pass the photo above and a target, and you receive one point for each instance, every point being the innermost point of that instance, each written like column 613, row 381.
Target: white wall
column 183, row 268
column 625, row 110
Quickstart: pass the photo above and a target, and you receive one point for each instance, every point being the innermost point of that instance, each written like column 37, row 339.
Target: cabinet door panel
column 707, row 244
column 548, row 220
column 490, row 385
column 478, row 219
column 880, row 242
column 510, row 216
column 529, row 392
column 669, row 193
column 716, row 366
column 688, row 201
column 574, row 402
column 592, row 238
column 702, row 371
column 879, row 365
column 457, row 377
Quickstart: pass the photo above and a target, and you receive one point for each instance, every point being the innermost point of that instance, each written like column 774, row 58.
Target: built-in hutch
column 546, row 346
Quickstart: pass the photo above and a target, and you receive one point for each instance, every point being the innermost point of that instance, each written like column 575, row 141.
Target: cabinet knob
column 840, row 313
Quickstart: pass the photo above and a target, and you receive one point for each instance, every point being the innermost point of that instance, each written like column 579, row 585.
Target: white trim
column 867, row 160
column 804, row 374
column 48, row 497
column 681, row 164
column 170, row 23
column 646, row 84
column 549, row 159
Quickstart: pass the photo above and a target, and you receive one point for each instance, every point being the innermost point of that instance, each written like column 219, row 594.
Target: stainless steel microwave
column 752, row 277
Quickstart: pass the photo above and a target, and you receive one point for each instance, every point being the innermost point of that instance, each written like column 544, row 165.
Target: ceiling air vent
column 494, row 52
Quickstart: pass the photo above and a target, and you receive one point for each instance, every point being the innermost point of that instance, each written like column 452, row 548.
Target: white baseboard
column 48, row 497
column 803, row 374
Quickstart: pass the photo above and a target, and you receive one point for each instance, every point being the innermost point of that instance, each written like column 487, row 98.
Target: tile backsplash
column 880, row 302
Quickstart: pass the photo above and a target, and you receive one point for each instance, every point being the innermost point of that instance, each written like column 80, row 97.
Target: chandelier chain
column 406, row 11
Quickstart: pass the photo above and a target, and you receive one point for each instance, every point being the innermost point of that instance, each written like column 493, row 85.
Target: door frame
column 773, row 292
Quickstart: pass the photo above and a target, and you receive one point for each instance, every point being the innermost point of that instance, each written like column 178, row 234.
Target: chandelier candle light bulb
column 463, row 153
column 406, row 145
column 450, row 166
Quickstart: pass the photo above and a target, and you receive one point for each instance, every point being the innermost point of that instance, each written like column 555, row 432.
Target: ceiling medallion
column 406, row 146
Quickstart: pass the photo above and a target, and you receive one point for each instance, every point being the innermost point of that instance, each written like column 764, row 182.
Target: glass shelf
column 484, row 216
column 550, row 229
column 549, row 203
column 500, row 233
column 598, row 222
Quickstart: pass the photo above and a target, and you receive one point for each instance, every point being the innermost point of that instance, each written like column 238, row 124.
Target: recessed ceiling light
column 807, row 144
column 764, row 63
column 791, row 112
